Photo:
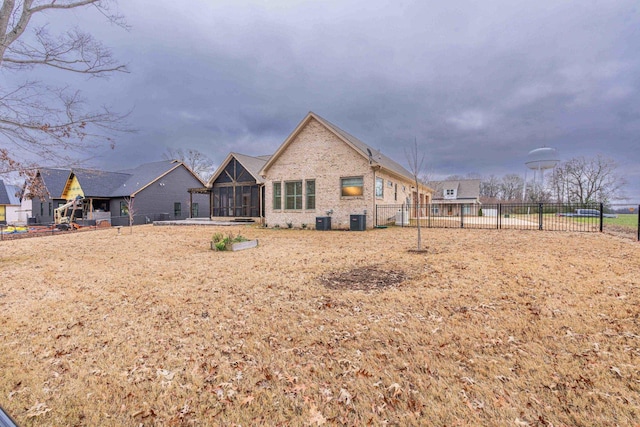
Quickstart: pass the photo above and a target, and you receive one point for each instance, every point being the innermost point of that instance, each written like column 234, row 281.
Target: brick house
column 322, row 170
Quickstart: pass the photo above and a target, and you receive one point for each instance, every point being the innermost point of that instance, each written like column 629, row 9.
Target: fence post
column 601, row 215
column 462, row 216
column 539, row 216
column 402, row 217
column 638, row 223
column 499, row 216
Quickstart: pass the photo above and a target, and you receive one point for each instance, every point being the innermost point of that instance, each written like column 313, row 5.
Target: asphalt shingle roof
column 55, row 180
column 97, row 183
column 467, row 188
column 253, row 164
column 377, row 157
column 9, row 194
column 142, row 176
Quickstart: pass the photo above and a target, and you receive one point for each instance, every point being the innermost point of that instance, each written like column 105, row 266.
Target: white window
column 379, row 188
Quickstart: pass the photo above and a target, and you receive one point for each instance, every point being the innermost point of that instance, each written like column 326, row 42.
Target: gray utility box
column 358, row 223
column 323, row 223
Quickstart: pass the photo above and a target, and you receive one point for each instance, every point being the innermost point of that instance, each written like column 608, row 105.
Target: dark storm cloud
column 477, row 84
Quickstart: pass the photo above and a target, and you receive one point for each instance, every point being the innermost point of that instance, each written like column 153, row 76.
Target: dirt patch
column 370, row 278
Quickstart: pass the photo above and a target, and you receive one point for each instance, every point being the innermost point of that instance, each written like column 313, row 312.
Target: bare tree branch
column 39, row 123
column 195, row 160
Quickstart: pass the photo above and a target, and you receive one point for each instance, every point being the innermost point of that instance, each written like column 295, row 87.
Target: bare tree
column 416, row 166
column 587, row 180
column 131, row 212
column 490, row 188
column 40, row 123
column 511, row 188
column 195, row 160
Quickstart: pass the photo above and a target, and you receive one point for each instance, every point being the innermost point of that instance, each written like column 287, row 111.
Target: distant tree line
column 580, row 180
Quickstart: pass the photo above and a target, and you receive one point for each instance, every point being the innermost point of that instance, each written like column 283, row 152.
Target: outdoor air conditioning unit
column 323, row 223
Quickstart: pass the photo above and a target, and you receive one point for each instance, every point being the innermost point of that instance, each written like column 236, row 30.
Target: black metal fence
column 520, row 216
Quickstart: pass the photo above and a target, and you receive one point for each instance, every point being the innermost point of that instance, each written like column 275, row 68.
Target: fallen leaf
column 316, row 416
column 395, row 389
column 37, row 410
column 247, row 400
column 345, row 397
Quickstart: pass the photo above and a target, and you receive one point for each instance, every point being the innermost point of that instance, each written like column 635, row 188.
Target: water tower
column 540, row 160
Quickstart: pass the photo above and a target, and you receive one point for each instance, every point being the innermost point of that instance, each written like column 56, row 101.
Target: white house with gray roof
column 451, row 198
column 10, row 203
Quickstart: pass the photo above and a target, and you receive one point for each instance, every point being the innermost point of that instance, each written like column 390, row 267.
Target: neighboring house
column 160, row 192
column 46, row 193
column 451, row 198
column 9, row 203
column 155, row 191
column 321, row 170
column 236, row 189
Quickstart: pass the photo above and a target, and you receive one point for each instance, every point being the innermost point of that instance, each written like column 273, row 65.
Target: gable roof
column 54, row 181
column 357, row 145
column 466, row 188
column 96, row 183
column 9, row 194
column 146, row 174
column 252, row 164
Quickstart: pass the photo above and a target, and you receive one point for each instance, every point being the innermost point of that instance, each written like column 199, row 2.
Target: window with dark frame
column 277, row 195
column 177, row 209
column 352, row 186
column 124, row 209
column 311, row 194
column 293, row 195
column 194, row 210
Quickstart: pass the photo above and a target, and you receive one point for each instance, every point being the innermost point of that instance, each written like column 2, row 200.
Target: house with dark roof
column 9, row 203
column 455, row 197
column 320, row 170
column 155, row 191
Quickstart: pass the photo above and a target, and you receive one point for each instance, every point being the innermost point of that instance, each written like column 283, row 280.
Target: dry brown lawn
column 504, row 328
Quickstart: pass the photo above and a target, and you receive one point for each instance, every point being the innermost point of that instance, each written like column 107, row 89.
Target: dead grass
column 311, row 328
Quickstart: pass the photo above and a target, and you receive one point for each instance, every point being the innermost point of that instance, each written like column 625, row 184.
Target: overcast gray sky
column 478, row 83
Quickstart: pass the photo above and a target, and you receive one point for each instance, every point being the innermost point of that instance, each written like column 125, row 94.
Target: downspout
column 211, row 201
column 260, row 204
column 375, row 197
